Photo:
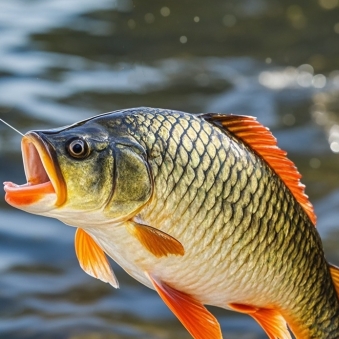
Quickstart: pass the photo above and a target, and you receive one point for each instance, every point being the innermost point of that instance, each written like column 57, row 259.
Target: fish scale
column 266, row 198
column 222, row 218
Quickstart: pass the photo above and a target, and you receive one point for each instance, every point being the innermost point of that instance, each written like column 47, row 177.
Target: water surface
column 62, row 61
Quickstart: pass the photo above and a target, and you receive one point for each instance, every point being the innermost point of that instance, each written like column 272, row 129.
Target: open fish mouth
column 42, row 172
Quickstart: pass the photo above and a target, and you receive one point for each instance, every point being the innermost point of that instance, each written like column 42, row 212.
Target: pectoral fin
column 199, row 322
column 157, row 242
column 92, row 258
column 269, row 319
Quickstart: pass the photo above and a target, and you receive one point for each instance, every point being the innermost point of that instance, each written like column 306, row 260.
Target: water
column 62, row 61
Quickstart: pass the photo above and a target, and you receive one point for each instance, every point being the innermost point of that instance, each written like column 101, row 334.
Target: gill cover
column 133, row 184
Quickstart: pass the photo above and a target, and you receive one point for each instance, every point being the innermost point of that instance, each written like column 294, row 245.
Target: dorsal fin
column 261, row 141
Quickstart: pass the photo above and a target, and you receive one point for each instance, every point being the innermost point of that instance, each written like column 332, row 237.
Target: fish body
column 205, row 209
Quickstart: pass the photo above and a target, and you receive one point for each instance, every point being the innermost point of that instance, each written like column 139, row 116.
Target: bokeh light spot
column 165, row 11
column 183, row 39
column 315, row 163
column 328, row 4
column 229, row 20
column 149, row 18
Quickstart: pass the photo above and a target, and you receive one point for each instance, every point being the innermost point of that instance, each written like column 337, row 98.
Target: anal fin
column 199, row 322
column 269, row 319
column 155, row 241
column 92, row 258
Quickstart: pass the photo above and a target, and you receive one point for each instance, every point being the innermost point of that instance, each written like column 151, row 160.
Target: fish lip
column 49, row 161
column 41, row 170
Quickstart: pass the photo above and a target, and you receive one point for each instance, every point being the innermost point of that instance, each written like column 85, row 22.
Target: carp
column 205, row 209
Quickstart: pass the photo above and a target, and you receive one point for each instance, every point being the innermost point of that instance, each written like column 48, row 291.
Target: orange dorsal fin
column 92, row 258
column 269, row 319
column 155, row 241
column 262, row 142
column 334, row 270
column 199, row 322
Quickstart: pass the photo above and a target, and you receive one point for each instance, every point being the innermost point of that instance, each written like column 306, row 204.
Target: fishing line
column 11, row 127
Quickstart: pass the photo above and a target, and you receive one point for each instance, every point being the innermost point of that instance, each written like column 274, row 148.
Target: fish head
column 84, row 174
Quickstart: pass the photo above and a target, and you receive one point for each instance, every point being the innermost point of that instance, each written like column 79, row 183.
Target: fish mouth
column 42, row 172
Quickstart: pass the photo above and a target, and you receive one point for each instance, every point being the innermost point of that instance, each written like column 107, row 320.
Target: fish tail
column 276, row 323
column 326, row 325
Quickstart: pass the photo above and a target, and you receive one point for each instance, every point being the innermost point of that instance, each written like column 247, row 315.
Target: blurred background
column 66, row 60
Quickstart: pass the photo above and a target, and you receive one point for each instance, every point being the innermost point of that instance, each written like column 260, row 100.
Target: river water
column 66, row 60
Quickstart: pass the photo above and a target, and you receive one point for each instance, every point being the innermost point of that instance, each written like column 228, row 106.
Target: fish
column 205, row 209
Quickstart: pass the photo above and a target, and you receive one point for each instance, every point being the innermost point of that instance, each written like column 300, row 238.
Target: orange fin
column 157, row 242
column 92, row 258
column 262, row 142
column 334, row 270
column 269, row 319
column 199, row 322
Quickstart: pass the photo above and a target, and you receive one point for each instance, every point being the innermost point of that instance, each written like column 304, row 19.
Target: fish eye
column 78, row 148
